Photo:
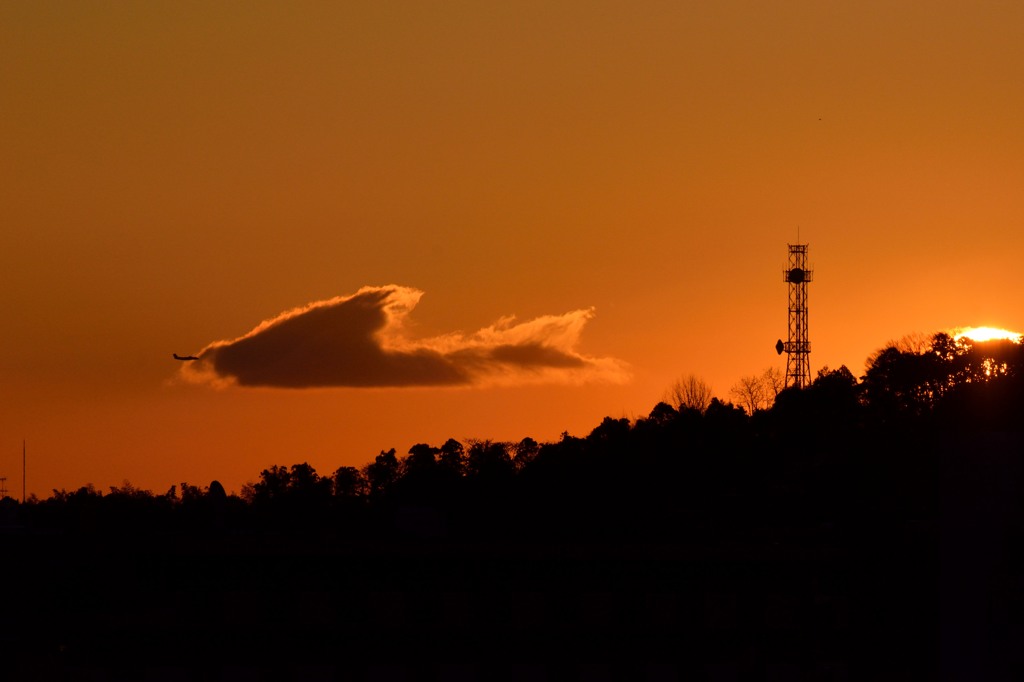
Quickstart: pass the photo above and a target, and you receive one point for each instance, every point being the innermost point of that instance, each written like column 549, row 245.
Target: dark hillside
column 856, row 530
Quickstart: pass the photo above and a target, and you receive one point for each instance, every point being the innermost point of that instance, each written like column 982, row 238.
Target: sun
column 982, row 334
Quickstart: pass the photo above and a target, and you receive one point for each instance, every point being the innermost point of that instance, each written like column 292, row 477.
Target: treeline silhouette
column 828, row 455
column 834, row 509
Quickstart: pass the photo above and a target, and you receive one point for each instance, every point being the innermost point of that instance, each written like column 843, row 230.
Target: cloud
column 359, row 340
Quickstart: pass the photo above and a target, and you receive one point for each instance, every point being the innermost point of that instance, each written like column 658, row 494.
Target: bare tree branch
column 690, row 392
column 758, row 391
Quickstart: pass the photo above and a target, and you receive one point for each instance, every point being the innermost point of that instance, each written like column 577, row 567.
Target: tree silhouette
column 758, row 391
column 902, row 384
column 662, row 413
column 452, row 457
column 524, row 452
column 421, row 460
column 489, row 461
column 690, row 392
column 382, row 474
column 349, row 483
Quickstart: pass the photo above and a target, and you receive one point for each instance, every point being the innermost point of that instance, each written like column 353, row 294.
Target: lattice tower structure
column 798, row 345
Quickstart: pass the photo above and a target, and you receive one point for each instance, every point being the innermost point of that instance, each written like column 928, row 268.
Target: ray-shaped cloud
column 359, row 340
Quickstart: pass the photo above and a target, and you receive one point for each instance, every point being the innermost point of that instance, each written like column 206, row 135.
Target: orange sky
column 175, row 173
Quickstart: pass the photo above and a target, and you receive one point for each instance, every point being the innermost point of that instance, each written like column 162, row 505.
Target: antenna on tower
column 798, row 345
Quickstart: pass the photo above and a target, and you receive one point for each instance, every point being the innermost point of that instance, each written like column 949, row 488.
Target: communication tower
column 798, row 346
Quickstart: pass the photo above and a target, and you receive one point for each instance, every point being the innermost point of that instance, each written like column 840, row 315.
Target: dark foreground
column 927, row 591
column 287, row 608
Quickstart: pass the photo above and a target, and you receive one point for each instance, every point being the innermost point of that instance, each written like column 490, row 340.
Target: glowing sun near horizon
column 982, row 334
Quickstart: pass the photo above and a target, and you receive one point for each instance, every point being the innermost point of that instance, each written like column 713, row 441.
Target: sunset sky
column 621, row 177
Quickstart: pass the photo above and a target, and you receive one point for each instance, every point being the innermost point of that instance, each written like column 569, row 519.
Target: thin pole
column 23, row 471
